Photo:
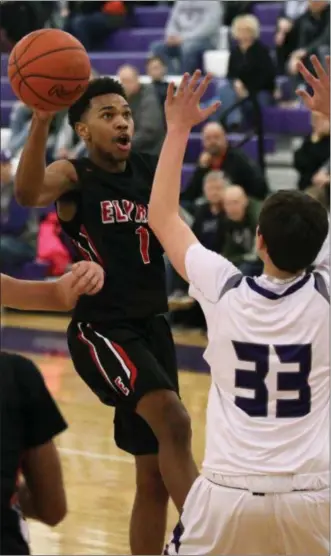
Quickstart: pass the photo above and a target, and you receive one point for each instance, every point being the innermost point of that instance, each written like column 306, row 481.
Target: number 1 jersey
column 268, row 350
column 110, row 227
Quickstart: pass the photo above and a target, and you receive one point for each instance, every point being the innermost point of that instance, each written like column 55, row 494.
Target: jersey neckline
column 271, row 294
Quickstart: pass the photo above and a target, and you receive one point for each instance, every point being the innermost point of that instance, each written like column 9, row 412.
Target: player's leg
column 149, row 513
column 303, row 520
column 168, row 418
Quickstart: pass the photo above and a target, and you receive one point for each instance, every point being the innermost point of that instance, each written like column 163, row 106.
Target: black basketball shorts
column 121, row 363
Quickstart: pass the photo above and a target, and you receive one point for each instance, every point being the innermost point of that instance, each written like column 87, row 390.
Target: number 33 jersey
column 110, row 227
column 268, row 350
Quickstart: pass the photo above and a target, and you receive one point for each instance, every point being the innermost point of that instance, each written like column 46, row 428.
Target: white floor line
column 95, row 455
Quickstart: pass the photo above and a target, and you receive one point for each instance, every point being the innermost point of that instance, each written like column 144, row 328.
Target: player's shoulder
column 19, row 370
column 144, row 161
column 64, row 170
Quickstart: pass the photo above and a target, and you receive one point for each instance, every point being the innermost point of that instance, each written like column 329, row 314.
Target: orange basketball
column 49, row 69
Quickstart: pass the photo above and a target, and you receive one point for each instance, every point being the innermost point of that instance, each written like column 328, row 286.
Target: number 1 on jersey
column 143, row 234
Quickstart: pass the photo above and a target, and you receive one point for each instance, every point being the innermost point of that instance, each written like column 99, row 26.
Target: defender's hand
column 320, row 100
column 88, row 278
column 183, row 109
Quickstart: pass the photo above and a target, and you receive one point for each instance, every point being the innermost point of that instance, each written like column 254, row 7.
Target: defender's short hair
column 294, row 227
column 96, row 87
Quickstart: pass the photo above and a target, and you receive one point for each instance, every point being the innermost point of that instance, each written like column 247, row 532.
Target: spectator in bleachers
column 146, row 111
column 92, row 22
column 311, row 36
column 208, row 224
column 237, row 167
column 18, row 225
column 313, row 154
column 192, row 28
column 242, row 216
column 20, row 119
column 20, row 18
column 285, row 36
column 156, row 70
column 251, row 71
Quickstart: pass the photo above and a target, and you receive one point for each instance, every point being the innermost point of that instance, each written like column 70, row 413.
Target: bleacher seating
column 131, row 46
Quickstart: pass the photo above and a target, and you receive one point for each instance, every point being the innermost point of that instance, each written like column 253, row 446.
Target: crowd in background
column 224, row 193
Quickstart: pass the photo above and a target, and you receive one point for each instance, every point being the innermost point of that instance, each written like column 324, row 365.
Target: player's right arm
column 36, row 185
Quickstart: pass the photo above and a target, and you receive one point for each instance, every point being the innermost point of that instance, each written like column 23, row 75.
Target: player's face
column 109, row 127
column 214, row 139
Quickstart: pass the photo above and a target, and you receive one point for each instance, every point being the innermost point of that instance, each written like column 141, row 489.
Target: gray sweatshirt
column 195, row 20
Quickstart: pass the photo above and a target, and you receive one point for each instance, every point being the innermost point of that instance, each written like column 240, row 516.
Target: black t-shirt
column 110, row 227
column 29, row 418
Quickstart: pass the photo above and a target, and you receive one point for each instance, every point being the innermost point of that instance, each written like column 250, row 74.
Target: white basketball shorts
column 221, row 520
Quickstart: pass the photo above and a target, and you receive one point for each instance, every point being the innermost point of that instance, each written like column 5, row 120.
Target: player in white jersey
column 265, row 477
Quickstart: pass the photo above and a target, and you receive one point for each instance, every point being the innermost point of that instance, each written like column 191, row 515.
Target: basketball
column 48, row 69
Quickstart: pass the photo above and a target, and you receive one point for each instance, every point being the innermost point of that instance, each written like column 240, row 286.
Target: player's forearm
column 37, row 296
column 30, row 173
column 164, row 201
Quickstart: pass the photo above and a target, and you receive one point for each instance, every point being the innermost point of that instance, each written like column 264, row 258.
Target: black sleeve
column 231, row 73
column 42, row 418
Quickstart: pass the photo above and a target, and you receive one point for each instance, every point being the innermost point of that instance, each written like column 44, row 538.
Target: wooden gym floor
column 99, row 478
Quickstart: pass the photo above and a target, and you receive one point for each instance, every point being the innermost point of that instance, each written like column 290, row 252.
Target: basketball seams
column 30, row 88
column 33, row 39
column 56, row 78
column 44, row 54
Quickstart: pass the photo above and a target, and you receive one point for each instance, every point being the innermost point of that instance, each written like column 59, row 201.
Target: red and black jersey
column 110, row 227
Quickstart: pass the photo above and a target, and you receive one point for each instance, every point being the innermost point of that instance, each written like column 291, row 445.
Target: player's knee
column 149, row 482
column 167, row 417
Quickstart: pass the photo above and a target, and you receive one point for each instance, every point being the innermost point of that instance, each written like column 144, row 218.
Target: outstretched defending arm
column 206, row 271
column 62, row 295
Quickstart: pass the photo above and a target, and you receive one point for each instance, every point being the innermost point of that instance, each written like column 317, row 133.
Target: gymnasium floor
column 99, row 478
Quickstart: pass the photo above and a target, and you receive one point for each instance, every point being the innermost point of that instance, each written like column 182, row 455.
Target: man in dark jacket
column 310, row 35
column 146, row 111
column 234, row 163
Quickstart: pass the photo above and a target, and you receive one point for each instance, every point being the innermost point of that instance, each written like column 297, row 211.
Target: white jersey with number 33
column 268, row 350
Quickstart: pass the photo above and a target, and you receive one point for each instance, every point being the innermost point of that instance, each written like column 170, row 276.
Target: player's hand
column 88, row 278
column 320, row 100
column 183, row 109
column 43, row 116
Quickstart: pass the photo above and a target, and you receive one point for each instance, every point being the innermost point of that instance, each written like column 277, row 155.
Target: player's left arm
column 203, row 269
column 61, row 295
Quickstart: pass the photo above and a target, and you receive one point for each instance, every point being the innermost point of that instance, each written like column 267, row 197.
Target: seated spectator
column 241, row 222
column 31, row 475
column 20, row 120
column 251, row 71
column 237, row 167
column 311, row 36
column 313, row 154
column 285, row 37
column 156, row 69
column 193, row 27
column 18, row 225
column 20, row 18
column 208, row 223
column 92, row 22
column 146, row 112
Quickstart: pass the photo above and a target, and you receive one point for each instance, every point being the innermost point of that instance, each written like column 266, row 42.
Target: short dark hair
column 96, row 87
column 294, row 227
